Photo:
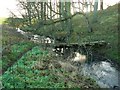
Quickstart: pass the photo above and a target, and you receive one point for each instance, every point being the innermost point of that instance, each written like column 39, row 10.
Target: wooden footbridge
column 67, row 48
column 93, row 44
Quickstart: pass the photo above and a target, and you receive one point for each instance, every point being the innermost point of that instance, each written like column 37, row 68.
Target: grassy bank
column 12, row 53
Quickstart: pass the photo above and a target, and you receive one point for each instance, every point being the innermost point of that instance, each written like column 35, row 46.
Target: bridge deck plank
column 82, row 44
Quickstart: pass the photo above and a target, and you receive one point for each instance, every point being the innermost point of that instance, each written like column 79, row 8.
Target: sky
column 6, row 5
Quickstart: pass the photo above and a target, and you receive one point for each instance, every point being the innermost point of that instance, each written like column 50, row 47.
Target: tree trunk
column 68, row 22
column 101, row 4
column 61, row 11
column 29, row 13
column 42, row 11
column 95, row 11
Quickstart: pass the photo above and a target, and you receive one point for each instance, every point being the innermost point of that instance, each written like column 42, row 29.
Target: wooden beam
column 82, row 44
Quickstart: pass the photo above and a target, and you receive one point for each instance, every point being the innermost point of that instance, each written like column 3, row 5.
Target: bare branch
column 12, row 13
column 53, row 10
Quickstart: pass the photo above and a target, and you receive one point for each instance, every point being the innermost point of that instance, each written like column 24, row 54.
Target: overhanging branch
column 69, row 17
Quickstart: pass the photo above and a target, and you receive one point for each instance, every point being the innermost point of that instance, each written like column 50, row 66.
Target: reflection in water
column 103, row 72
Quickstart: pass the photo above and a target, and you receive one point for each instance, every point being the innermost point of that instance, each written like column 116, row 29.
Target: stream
column 103, row 72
